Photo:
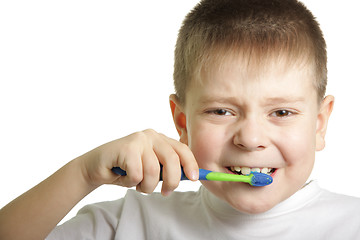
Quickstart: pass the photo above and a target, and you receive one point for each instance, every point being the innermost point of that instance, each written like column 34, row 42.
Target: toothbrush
column 254, row 178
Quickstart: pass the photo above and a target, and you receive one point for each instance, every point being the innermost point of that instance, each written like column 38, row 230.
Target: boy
column 250, row 80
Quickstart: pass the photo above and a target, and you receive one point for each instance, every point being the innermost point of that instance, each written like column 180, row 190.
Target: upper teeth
column 247, row 170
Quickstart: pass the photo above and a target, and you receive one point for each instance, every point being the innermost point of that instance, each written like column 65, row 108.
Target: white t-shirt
column 311, row 213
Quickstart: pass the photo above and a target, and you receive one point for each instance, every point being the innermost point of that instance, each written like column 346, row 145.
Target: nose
column 250, row 136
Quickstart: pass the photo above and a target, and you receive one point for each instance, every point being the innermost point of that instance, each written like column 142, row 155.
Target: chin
column 253, row 206
column 253, row 201
column 245, row 198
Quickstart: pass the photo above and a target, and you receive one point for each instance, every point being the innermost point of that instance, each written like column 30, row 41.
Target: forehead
column 236, row 75
column 255, row 63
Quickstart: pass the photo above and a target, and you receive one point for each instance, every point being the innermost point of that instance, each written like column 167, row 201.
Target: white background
column 77, row 74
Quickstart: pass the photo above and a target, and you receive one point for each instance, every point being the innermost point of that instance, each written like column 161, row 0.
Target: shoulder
column 316, row 197
column 331, row 205
column 94, row 221
column 339, row 202
column 337, row 213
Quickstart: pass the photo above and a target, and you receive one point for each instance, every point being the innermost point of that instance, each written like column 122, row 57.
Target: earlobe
column 322, row 121
column 179, row 118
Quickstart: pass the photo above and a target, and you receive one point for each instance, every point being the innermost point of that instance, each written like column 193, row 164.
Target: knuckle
column 183, row 148
column 143, row 136
column 149, row 131
column 152, row 170
column 162, row 135
column 139, row 136
column 173, row 158
column 135, row 177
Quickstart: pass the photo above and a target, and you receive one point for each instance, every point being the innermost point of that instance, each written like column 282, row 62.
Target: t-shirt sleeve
column 95, row 221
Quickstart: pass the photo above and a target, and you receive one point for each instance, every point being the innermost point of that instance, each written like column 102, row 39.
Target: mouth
column 246, row 170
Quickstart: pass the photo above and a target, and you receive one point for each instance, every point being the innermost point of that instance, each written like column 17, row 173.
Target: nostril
column 249, row 148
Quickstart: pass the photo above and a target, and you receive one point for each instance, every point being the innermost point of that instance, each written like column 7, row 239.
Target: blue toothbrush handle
column 202, row 173
column 118, row 171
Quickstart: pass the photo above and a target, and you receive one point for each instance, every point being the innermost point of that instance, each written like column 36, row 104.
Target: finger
column 187, row 159
column 171, row 172
column 131, row 163
column 151, row 172
column 171, row 175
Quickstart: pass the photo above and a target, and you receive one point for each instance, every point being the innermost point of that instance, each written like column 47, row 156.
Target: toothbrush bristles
column 260, row 179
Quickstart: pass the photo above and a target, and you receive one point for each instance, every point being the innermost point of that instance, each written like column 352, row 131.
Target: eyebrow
column 208, row 99
column 267, row 101
column 287, row 99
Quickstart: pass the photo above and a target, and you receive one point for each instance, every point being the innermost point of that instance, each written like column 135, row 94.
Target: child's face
column 273, row 120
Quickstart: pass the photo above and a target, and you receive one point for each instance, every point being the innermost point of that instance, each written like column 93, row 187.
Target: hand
column 140, row 155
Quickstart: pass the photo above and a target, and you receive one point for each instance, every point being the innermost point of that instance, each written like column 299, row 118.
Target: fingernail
column 194, row 175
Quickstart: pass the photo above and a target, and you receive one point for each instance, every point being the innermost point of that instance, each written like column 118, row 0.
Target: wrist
column 85, row 178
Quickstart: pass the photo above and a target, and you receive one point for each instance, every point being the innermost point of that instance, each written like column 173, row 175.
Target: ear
column 179, row 118
column 322, row 121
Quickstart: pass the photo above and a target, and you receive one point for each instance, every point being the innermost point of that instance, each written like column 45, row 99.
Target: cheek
column 298, row 151
column 206, row 142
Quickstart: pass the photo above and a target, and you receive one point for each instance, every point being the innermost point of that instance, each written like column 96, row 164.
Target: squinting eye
column 220, row 112
column 281, row 113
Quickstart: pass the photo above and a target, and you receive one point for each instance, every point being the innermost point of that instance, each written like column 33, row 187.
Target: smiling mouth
column 246, row 170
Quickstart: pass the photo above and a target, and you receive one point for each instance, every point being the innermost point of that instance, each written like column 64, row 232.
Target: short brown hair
column 256, row 29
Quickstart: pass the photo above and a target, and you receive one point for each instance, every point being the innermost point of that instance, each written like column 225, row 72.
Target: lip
column 273, row 174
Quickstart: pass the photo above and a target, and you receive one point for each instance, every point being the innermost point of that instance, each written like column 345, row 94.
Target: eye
column 220, row 112
column 282, row 113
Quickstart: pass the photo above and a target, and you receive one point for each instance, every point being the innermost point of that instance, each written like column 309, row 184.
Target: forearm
column 35, row 213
